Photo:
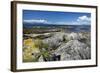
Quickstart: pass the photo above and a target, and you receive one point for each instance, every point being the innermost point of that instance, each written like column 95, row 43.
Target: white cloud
column 84, row 20
column 36, row 21
column 79, row 21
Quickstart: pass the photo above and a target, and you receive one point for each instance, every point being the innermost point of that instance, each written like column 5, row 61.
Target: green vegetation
column 33, row 49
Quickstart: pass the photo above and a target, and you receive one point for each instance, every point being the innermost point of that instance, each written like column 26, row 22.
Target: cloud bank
column 82, row 20
column 36, row 21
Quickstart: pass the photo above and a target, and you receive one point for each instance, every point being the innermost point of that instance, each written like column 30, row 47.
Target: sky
column 55, row 17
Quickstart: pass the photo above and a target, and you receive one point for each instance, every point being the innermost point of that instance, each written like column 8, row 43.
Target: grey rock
column 73, row 50
column 41, row 59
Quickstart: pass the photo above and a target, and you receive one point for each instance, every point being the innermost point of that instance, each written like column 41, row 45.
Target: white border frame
column 21, row 65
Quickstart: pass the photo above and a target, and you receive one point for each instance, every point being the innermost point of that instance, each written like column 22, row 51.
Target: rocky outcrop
column 75, row 47
column 73, row 50
column 55, row 40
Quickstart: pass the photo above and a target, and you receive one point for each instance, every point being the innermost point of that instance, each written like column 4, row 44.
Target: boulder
column 73, row 50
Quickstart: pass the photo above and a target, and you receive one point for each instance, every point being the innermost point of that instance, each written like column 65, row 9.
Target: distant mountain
column 42, row 24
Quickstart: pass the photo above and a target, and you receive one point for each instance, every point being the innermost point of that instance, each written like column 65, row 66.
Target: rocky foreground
column 66, row 46
column 70, row 46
